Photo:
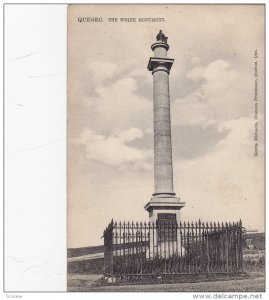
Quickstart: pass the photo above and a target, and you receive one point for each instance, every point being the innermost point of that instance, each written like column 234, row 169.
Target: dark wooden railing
column 170, row 248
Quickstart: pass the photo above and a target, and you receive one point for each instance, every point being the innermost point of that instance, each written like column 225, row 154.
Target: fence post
column 207, row 248
column 240, row 246
column 108, row 251
column 226, row 245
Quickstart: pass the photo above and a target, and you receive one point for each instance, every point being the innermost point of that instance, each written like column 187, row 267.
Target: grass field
column 88, row 283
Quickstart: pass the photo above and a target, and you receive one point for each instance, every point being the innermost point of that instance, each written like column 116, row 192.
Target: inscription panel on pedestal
column 166, row 227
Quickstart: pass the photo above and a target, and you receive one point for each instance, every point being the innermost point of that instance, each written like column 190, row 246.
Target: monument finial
column 161, row 37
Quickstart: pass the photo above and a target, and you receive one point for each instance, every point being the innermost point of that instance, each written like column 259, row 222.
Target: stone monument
column 164, row 205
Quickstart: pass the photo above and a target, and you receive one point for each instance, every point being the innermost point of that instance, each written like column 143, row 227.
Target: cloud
column 114, row 150
column 117, row 106
column 219, row 76
column 130, row 135
column 196, row 73
column 191, row 110
column 103, row 70
column 228, row 180
column 219, row 97
column 195, row 60
column 209, row 123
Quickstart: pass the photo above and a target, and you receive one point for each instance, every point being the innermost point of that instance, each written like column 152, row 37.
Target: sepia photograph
column 165, row 148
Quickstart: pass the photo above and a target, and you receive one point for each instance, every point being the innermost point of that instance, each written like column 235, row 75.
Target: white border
column 63, row 232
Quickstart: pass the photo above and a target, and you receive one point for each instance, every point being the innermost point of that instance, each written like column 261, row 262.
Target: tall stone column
column 164, row 199
column 163, row 168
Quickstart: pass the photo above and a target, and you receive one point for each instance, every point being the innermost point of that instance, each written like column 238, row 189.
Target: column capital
column 155, row 62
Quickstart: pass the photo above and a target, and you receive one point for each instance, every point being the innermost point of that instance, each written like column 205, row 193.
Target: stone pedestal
column 164, row 205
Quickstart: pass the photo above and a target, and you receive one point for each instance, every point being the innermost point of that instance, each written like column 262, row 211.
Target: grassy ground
column 89, row 283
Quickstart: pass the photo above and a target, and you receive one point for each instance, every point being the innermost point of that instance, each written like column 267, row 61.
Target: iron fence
column 171, row 248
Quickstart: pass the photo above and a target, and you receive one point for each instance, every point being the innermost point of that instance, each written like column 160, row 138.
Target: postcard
column 166, row 148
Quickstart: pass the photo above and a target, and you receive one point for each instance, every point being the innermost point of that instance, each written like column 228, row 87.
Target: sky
column 212, row 91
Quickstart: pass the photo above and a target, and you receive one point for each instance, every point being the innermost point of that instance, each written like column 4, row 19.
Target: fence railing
column 171, row 248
